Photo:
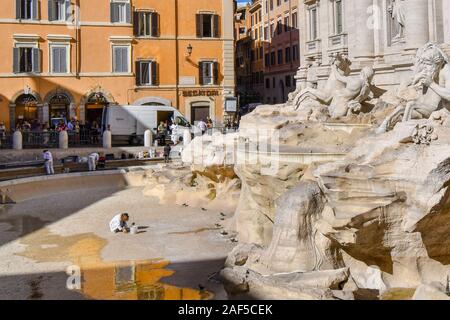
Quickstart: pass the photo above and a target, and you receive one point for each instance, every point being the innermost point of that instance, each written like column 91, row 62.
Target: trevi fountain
column 344, row 189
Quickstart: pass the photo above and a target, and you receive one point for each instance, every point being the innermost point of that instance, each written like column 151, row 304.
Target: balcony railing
column 338, row 42
column 313, row 47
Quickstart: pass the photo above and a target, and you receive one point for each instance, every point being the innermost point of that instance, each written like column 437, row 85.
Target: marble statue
column 432, row 76
column 397, row 10
column 324, row 96
column 349, row 99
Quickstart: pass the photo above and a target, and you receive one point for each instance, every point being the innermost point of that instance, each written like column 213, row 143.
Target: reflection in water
column 126, row 280
column 398, row 294
column 22, row 224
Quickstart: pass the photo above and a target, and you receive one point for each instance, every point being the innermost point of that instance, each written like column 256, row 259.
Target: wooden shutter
column 138, row 73
column 114, row 12
column 136, row 18
column 155, row 24
column 200, row 75
column 36, row 9
column 128, row 12
column 216, row 26
column 18, row 12
column 199, row 23
column 117, row 59
column 125, row 60
column 63, row 60
column 51, row 10
column 216, row 72
column 68, row 10
column 56, row 61
column 155, row 73
column 16, row 60
column 36, row 55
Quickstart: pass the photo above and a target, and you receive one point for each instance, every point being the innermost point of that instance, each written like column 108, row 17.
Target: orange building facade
column 73, row 58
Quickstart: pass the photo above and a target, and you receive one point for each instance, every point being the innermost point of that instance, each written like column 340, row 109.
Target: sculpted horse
column 324, row 96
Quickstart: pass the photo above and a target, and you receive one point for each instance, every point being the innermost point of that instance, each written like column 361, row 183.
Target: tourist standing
column 167, row 150
column 93, row 160
column 48, row 162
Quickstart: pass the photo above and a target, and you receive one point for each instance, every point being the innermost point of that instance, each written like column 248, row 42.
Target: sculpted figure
column 398, row 11
column 324, row 96
column 432, row 74
column 357, row 89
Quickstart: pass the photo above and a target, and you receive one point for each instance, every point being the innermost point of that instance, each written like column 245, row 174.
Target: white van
column 128, row 123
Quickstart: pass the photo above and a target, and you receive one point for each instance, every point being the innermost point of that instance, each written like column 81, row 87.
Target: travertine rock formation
column 336, row 209
column 214, row 188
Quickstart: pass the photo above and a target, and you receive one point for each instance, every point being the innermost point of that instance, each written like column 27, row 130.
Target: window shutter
column 138, row 73
column 36, row 60
column 16, row 60
column 154, row 73
column 128, row 12
column 124, row 60
column 114, row 12
column 155, row 24
column 199, row 18
column 216, row 72
column 200, row 69
column 216, row 26
column 136, row 18
column 56, row 60
column 63, row 60
column 35, row 9
column 117, row 59
column 51, row 10
column 18, row 13
column 68, row 10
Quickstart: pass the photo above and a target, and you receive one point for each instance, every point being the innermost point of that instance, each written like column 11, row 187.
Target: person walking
column 202, row 126
column 93, row 160
column 167, row 150
column 48, row 162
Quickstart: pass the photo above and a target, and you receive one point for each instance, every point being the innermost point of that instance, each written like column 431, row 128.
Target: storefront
column 95, row 105
column 25, row 110
column 58, row 109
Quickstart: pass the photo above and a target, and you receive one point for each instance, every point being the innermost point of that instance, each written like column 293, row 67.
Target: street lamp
column 189, row 49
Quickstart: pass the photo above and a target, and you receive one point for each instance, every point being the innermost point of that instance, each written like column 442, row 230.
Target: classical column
column 446, row 20
column 360, row 31
column 417, row 31
column 12, row 116
column 72, row 110
column 45, row 113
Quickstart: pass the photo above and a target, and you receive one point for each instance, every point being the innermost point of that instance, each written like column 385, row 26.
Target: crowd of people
column 88, row 132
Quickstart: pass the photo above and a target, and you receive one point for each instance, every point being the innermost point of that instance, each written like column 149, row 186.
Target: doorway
column 26, row 110
column 59, row 106
column 199, row 113
column 95, row 106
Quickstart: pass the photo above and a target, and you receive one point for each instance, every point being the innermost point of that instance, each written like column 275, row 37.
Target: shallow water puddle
column 124, row 280
column 398, row 294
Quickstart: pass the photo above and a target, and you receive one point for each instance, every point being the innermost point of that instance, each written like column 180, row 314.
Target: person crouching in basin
column 119, row 223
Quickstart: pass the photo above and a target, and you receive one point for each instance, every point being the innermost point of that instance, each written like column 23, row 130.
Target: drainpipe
column 77, row 38
column 177, row 56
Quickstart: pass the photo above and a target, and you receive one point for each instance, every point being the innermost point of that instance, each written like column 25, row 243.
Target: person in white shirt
column 202, row 126
column 175, row 134
column 48, row 162
column 119, row 223
column 93, row 160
